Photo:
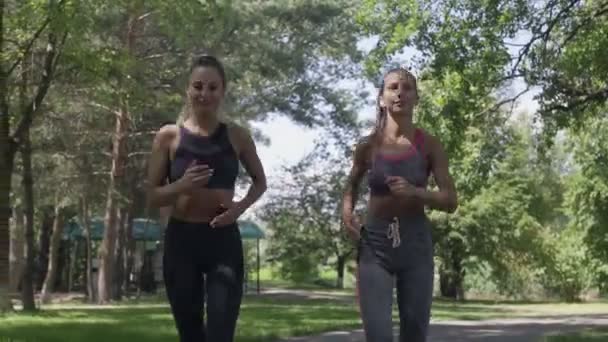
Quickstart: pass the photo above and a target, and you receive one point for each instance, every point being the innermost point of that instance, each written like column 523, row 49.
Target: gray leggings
column 409, row 268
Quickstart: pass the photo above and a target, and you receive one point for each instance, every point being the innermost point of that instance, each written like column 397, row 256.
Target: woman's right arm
column 351, row 191
column 159, row 194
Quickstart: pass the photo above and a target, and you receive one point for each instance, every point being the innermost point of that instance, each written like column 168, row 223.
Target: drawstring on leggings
column 393, row 232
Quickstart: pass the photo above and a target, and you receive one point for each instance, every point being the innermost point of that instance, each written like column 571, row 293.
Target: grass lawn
column 585, row 336
column 273, row 318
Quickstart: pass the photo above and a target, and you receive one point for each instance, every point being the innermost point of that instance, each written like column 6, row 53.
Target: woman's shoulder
column 363, row 148
column 427, row 137
column 166, row 134
column 237, row 131
column 239, row 136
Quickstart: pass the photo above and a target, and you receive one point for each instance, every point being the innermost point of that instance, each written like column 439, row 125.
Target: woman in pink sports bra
column 395, row 244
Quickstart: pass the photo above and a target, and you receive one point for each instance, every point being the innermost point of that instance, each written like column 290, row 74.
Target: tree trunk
column 451, row 277
column 130, row 254
column 72, row 257
column 17, row 252
column 44, row 243
column 63, row 265
column 5, row 181
column 120, row 255
column 9, row 143
column 5, row 190
column 340, row 266
column 51, row 274
column 119, row 159
column 128, row 229
column 7, row 158
column 86, row 223
column 106, row 250
column 27, row 288
column 447, row 285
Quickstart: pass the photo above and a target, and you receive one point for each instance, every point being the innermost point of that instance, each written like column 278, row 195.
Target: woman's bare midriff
column 203, row 205
column 387, row 207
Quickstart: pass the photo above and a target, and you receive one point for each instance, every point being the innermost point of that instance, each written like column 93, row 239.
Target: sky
column 290, row 142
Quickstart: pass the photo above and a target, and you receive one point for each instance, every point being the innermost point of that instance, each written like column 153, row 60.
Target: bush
column 302, row 268
column 569, row 271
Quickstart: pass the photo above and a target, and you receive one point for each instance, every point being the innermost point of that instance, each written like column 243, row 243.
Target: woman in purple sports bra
column 394, row 244
column 203, row 252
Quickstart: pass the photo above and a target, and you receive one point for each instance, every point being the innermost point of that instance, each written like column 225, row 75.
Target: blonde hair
column 203, row 60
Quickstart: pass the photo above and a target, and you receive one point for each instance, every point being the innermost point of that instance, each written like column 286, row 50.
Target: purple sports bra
column 412, row 164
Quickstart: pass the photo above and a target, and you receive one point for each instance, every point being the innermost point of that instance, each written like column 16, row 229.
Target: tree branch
column 96, row 173
column 599, row 96
column 29, row 45
column 67, row 155
column 106, row 108
column 503, row 102
column 32, row 109
column 508, row 77
column 144, row 16
column 135, row 154
column 543, row 35
column 586, row 22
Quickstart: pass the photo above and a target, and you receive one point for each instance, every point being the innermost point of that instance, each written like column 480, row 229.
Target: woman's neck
column 399, row 126
column 205, row 124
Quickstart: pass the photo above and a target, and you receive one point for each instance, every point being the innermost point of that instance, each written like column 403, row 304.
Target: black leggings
column 203, row 263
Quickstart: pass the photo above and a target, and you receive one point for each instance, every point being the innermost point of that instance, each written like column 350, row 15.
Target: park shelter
column 148, row 233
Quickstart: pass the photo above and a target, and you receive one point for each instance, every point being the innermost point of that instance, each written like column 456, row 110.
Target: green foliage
column 134, row 56
column 554, row 45
column 466, row 52
column 587, row 195
column 570, row 272
column 304, row 215
column 502, row 225
column 289, row 239
column 570, row 68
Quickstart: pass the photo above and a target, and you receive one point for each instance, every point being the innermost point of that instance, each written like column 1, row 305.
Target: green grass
column 326, row 280
column 262, row 319
column 477, row 310
column 153, row 322
column 584, row 336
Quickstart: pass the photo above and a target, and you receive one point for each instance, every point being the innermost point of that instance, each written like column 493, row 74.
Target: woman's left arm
column 446, row 198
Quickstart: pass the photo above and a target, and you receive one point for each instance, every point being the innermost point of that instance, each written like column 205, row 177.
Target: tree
column 472, row 51
column 19, row 39
column 570, row 268
column 52, row 272
column 586, row 197
column 304, row 216
column 567, row 63
column 285, row 58
column 27, row 288
column 17, row 252
column 509, row 40
column 276, row 64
